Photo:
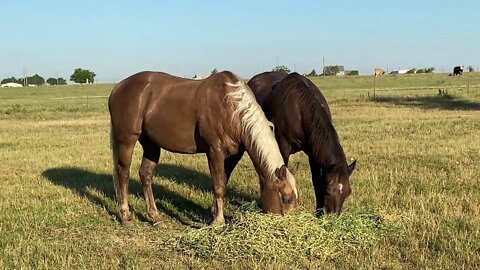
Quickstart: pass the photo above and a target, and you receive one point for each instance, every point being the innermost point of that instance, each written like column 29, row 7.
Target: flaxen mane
column 256, row 126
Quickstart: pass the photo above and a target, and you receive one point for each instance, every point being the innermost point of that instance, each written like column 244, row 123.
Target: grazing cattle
column 302, row 121
column 218, row 116
column 458, row 70
column 378, row 72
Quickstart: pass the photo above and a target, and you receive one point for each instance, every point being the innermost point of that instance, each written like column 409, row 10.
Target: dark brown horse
column 302, row 121
column 218, row 116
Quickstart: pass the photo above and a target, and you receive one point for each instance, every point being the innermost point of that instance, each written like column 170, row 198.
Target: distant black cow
column 458, row 70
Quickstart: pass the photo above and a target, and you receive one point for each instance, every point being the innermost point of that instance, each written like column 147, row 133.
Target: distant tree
column 213, row 71
column 52, row 81
column 421, row 70
column 33, row 80
column 82, row 76
column 470, row 69
column 36, row 80
column 331, row 70
column 429, row 70
column 313, row 73
column 55, row 81
column 355, row 72
column 412, row 71
column 10, row 80
column 62, row 81
column 281, row 68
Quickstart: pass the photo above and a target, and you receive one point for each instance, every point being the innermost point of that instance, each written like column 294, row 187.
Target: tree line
column 328, row 71
column 78, row 76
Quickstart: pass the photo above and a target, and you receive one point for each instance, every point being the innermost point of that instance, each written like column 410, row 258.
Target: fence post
column 468, row 82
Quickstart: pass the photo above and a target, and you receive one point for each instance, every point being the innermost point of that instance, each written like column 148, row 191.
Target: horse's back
column 170, row 110
column 291, row 105
column 262, row 84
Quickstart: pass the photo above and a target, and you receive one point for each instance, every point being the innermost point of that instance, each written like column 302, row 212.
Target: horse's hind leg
column 125, row 152
column 151, row 156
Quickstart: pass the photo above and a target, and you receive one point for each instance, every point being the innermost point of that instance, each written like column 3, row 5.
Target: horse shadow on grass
column 441, row 101
column 98, row 188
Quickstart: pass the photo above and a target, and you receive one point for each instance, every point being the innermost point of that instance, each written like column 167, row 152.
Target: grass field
column 417, row 154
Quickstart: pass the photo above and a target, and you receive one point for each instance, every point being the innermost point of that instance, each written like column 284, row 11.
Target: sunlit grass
column 266, row 239
column 417, row 167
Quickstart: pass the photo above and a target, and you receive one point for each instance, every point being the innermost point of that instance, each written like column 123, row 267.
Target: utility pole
column 57, row 78
column 323, row 70
column 25, row 82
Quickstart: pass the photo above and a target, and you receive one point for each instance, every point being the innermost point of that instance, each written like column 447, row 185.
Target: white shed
column 11, row 84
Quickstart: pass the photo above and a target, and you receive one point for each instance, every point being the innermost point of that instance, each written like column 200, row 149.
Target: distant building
column 200, row 77
column 351, row 72
column 11, row 84
column 400, row 71
column 341, row 71
column 334, row 71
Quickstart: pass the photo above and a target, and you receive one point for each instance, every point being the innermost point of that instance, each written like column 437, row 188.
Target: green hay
column 255, row 236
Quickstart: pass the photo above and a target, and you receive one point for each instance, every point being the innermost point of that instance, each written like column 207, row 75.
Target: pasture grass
column 268, row 239
column 417, row 170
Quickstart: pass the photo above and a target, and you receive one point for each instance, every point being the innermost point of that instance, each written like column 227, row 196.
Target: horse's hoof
column 155, row 220
column 217, row 222
column 127, row 223
column 158, row 224
column 319, row 212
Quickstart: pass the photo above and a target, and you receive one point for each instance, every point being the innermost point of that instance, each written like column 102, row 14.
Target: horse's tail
column 114, row 147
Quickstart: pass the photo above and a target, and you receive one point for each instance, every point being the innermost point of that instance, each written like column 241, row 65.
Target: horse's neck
column 325, row 149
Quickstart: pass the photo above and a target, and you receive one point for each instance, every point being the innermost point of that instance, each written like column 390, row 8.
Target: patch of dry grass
column 417, row 167
column 253, row 236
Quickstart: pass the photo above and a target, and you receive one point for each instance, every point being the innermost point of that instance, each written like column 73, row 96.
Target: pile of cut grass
column 254, row 236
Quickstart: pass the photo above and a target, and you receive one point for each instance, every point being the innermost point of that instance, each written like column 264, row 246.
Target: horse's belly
column 171, row 135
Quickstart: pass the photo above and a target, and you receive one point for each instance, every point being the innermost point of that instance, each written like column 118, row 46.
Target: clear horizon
column 115, row 39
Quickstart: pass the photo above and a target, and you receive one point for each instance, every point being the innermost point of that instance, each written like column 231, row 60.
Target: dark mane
column 303, row 122
column 324, row 141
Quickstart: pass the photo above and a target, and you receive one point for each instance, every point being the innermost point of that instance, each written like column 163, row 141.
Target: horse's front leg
column 285, row 148
column 216, row 159
column 319, row 184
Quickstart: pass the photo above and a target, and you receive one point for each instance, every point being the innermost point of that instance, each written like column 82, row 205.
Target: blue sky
column 118, row 38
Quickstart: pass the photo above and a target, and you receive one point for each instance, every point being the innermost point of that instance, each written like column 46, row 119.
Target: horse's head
column 337, row 188
column 281, row 195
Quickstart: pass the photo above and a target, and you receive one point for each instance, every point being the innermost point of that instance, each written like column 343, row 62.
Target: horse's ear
column 293, row 169
column 281, row 173
column 351, row 167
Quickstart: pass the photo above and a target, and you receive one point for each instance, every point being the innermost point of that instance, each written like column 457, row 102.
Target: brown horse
column 302, row 121
column 218, row 116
